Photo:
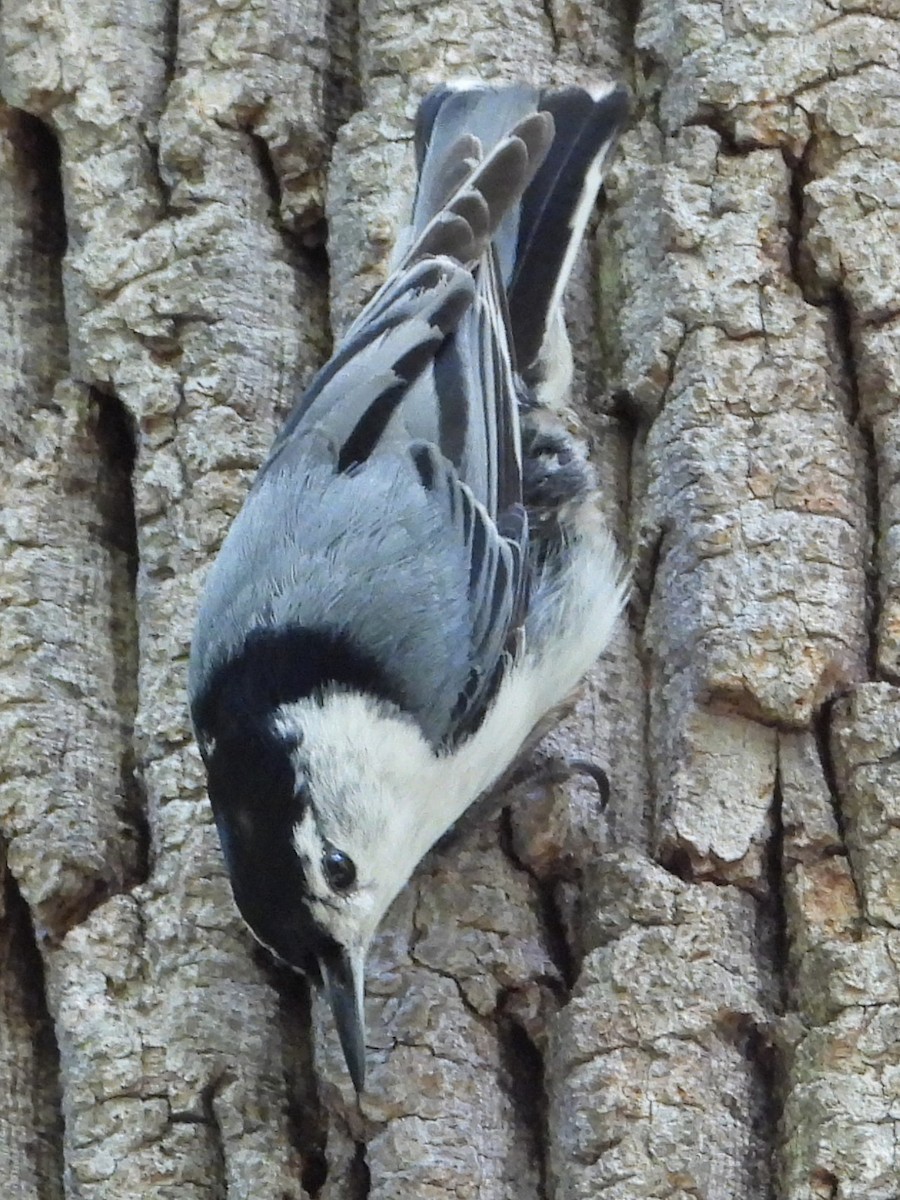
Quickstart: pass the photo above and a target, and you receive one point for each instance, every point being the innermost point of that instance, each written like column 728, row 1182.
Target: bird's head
column 321, row 808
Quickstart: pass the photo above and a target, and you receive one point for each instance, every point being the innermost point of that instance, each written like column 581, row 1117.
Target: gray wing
column 388, row 513
column 370, row 395
column 393, row 564
column 496, row 582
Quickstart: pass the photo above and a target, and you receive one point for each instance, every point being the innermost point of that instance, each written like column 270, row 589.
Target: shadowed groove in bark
column 556, row 938
column 799, row 177
column 646, row 575
column 263, row 158
column 218, row 1184
column 768, row 1072
column 523, row 1065
column 646, row 70
column 842, row 318
column 36, row 166
column 170, row 40
column 170, row 61
column 341, row 87
column 822, row 733
column 307, row 247
column 678, row 862
column 165, row 191
column 843, row 329
column 631, row 14
column 634, row 432
column 718, row 121
column 306, row 1120
column 23, row 1002
column 550, row 17
column 310, row 246
column 773, row 914
column 359, row 1179
column 627, row 14
column 754, row 1042
column 764, row 1064
column 117, row 453
column 824, row 1185
column 873, row 560
column 38, row 156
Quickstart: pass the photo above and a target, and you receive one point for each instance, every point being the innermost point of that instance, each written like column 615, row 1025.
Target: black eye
column 339, row 868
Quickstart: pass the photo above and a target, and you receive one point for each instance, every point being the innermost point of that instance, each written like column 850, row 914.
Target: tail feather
column 486, row 196
column 476, row 111
column 460, row 126
column 467, row 154
column 556, row 208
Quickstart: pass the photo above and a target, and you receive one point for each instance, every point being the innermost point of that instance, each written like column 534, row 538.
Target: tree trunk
column 694, row 994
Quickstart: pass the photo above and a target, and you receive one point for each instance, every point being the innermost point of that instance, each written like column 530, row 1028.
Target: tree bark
column 693, row 994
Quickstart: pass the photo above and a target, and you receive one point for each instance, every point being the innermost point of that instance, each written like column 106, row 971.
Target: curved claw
column 560, row 769
column 584, row 766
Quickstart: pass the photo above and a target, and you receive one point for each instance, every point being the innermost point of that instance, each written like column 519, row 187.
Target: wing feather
column 496, row 578
column 355, row 396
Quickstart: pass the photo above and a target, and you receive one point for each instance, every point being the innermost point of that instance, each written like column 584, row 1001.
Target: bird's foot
column 547, row 769
column 560, row 769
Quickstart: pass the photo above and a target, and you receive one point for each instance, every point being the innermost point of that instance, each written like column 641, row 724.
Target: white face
column 351, row 912
column 371, row 781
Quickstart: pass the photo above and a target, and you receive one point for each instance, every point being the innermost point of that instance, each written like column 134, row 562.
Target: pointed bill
column 344, row 974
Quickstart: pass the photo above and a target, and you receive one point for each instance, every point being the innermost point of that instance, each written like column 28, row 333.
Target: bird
column 420, row 574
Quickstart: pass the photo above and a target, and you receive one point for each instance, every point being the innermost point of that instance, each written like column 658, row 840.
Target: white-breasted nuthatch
column 419, row 574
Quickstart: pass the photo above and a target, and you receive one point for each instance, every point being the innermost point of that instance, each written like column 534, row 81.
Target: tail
column 537, row 241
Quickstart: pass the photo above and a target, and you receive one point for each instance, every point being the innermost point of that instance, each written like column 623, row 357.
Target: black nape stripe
column 257, row 804
column 280, row 666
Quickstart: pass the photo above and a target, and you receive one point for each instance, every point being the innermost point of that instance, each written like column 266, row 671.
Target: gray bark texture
column 692, row 995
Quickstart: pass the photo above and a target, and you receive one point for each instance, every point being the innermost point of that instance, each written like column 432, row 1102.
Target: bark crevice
column 342, row 87
column 117, row 451
column 523, row 1064
column 557, row 938
column 32, row 1144
column 823, row 733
